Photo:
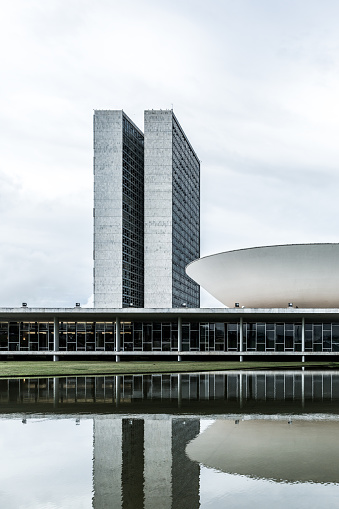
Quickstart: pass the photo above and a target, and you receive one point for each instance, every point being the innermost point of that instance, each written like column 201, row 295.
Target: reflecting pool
column 258, row 439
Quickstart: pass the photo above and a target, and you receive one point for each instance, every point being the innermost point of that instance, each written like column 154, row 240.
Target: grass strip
column 32, row 369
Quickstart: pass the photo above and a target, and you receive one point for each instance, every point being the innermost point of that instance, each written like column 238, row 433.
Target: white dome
column 306, row 275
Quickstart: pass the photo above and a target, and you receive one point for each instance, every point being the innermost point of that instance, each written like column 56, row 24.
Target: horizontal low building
column 243, row 333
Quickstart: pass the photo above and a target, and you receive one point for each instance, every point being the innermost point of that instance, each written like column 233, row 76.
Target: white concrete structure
column 146, row 212
column 107, row 251
column 158, row 209
column 118, row 258
column 172, row 212
column 304, row 275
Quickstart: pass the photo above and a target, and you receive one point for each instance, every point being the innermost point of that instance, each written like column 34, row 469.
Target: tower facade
column 146, row 212
column 118, row 211
column 141, row 462
column 172, row 213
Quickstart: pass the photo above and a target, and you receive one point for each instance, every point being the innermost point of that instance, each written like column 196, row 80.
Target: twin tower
column 146, row 212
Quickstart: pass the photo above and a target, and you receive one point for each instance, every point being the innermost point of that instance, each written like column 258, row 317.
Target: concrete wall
column 158, row 209
column 107, row 253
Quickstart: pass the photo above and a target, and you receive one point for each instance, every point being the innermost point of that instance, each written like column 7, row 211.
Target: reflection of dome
column 298, row 452
column 305, row 274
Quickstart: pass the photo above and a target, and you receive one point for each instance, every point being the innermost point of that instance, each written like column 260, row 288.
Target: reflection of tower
column 158, row 461
column 171, row 479
column 107, row 463
column 132, row 477
column 185, row 474
column 142, row 463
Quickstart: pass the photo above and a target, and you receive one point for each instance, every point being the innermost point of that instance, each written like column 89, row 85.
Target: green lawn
column 63, row 368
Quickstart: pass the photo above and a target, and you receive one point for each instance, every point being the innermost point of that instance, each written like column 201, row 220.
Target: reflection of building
column 146, row 212
column 142, row 463
column 185, row 474
column 282, row 450
column 202, row 393
column 107, row 469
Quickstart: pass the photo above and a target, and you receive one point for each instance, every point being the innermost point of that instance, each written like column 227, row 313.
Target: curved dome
column 272, row 276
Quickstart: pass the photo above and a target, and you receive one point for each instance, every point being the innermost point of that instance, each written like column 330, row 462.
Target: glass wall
column 132, row 216
column 322, row 337
column 150, row 336
column 210, row 337
column 34, row 336
column 86, row 336
column 274, row 337
column 185, row 218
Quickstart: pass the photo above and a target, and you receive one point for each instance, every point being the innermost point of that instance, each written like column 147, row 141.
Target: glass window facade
column 161, row 336
column 132, row 216
column 149, row 336
column 185, row 219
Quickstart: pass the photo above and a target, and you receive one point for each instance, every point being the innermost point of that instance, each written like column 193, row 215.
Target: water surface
column 171, row 441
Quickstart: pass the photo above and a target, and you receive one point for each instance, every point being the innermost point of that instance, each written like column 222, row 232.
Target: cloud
column 254, row 86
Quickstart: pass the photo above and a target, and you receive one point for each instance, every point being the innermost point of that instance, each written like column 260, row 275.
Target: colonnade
column 179, row 319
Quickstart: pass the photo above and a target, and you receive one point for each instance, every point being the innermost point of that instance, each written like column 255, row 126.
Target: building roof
column 233, row 315
column 306, row 275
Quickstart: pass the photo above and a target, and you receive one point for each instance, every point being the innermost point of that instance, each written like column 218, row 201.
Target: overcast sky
column 254, row 84
column 46, row 463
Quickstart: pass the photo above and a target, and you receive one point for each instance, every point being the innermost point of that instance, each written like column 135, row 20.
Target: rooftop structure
column 299, row 275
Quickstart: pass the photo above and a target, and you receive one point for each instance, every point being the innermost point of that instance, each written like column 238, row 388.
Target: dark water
column 171, row 441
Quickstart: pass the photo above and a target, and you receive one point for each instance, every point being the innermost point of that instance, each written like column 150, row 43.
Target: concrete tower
column 172, row 213
column 118, row 211
column 146, row 212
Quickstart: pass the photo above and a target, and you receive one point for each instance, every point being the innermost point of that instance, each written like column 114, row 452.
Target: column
column 241, row 337
column 179, row 337
column 240, row 390
column 55, row 392
column 117, row 390
column 303, row 389
column 117, row 338
column 56, row 338
column 303, row 338
column 179, row 390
